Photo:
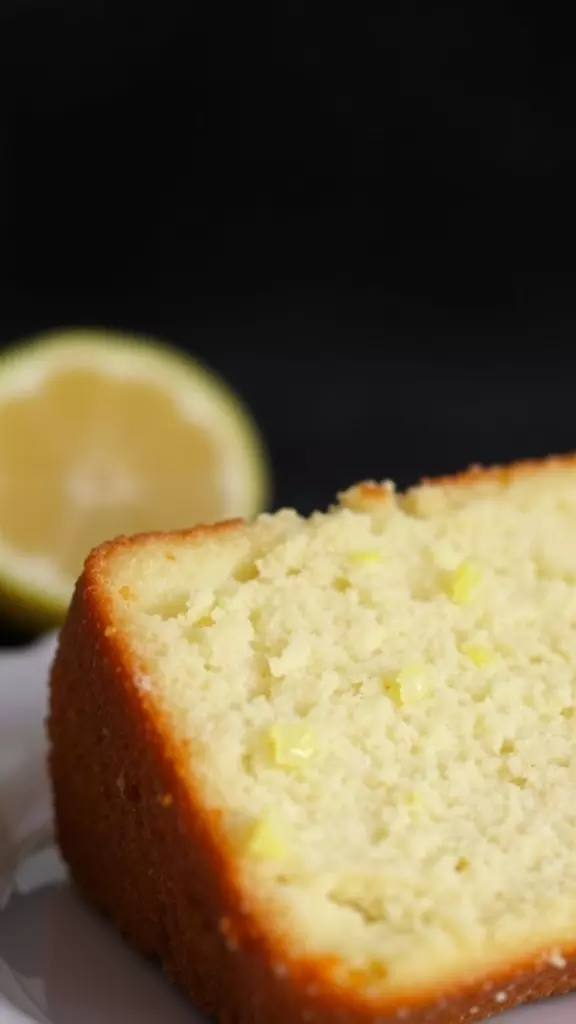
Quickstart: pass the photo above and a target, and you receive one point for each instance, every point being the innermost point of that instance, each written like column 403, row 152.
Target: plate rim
column 25, row 802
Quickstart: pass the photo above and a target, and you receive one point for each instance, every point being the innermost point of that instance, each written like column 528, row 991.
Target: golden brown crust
column 368, row 494
column 143, row 846
column 505, row 474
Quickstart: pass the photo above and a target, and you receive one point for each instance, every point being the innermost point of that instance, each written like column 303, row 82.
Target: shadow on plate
column 61, row 964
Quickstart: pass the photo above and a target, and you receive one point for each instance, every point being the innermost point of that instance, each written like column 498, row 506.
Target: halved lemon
column 103, row 434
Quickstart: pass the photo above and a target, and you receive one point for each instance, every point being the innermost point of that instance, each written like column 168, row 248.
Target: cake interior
column 381, row 700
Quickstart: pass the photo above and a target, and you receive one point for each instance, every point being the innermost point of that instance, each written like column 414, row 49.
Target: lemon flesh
column 101, row 434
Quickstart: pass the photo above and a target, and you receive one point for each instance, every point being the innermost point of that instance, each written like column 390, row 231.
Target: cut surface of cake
column 325, row 769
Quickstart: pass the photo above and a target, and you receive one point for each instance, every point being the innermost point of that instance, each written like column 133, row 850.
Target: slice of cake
column 325, row 769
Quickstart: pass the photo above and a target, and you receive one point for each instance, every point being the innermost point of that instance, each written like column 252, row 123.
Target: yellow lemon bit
column 412, row 684
column 479, row 655
column 364, row 557
column 412, row 798
column 293, row 743
column 463, row 582
column 392, row 690
column 264, row 843
column 413, row 803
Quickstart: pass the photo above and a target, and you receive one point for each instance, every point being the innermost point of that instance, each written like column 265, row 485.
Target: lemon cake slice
column 325, row 769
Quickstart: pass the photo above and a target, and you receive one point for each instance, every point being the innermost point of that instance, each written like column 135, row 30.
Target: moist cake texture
column 370, row 718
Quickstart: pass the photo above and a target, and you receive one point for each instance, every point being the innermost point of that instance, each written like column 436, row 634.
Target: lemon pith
column 104, row 433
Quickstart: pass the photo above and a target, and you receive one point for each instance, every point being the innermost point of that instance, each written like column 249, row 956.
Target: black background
column 365, row 223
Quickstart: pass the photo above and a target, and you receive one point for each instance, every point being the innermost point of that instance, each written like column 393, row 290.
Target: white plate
column 59, row 962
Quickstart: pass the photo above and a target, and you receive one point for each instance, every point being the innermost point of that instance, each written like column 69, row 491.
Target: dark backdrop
column 365, row 223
